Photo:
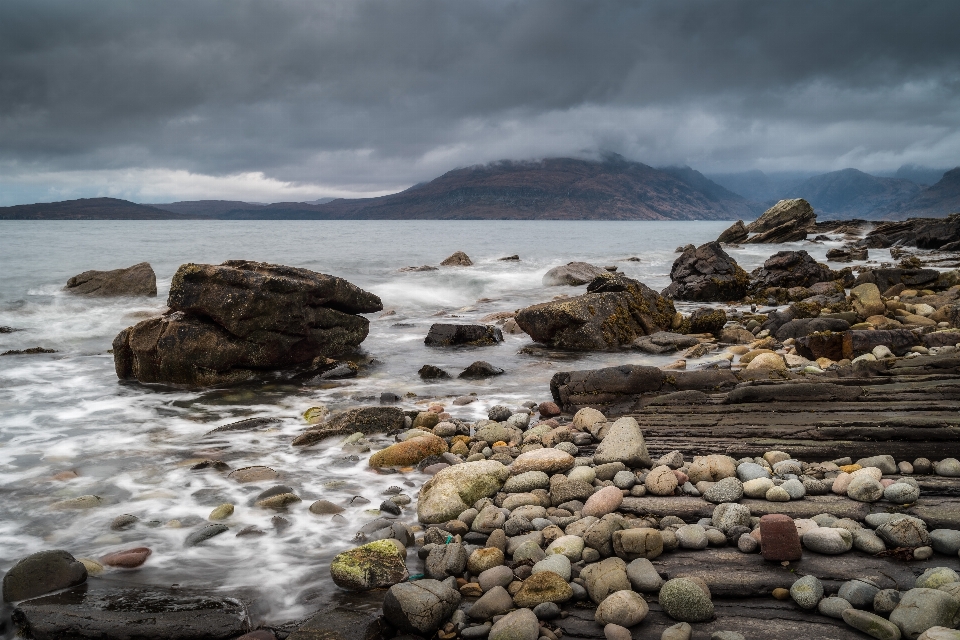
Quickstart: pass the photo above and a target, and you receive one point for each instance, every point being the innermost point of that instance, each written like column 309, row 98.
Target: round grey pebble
column 624, row 480
column 886, row 601
column 794, row 489
column 748, row 544
column 807, row 592
column 833, row 606
column 859, row 592
column 547, row 611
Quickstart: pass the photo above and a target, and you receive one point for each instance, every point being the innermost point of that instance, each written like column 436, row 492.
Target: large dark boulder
column 786, row 221
column 138, row 280
column 147, row 613
column 911, row 278
column 41, row 573
column 788, row 269
column 614, row 312
column 234, row 321
column 735, row 233
column 923, row 233
column 473, row 335
column 707, row 274
column 805, row 326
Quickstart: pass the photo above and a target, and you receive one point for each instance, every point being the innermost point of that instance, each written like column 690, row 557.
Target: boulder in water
column 614, row 312
column 41, row 573
column 788, row 269
column 735, row 233
column 473, row 335
column 706, row 274
column 458, row 259
column 138, row 280
column 572, row 273
column 234, row 321
column 786, row 221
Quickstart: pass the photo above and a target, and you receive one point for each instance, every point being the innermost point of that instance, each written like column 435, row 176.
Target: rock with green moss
column 454, row 489
column 375, row 565
column 614, row 312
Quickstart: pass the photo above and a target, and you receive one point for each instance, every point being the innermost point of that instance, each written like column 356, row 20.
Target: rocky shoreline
column 804, row 477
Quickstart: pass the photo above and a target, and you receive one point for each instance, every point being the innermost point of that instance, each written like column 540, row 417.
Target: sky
column 303, row 99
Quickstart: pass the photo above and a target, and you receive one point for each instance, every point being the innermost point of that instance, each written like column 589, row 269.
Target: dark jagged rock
column 364, row 419
column 234, row 321
column 886, row 278
column 474, row 335
column 786, row 221
column 788, row 269
column 706, row 274
column 430, row 372
column 664, row 342
column 41, row 573
column 614, row 312
column 923, row 233
column 899, row 341
column 572, row 273
column 706, row 320
column 821, row 345
column 458, row 259
column 734, row 234
column 847, row 254
column 138, row 280
column 479, row 370
column 141, row 613
column 805, row 326
column 32, row 351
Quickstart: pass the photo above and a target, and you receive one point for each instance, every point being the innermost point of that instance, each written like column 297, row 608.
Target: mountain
column 758, row 186
column 88, row 209
column 553, row 189
column 936, row 201
column 923, row 176
column 205, row 208
column 850, row 193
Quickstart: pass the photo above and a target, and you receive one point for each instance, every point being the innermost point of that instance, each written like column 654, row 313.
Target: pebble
column 865, row 488
column 724, row 490
column 921, row 608
column 807, row 592
column 871, row 624
column 684, row 600
column 680, row 631
column 661, row 481
column 945, row 541
column 547, row 611
column 936, row 577
column 833, row 607
column 521, row 624
column 757, row 488
column 557, row 563
column 948, row 467
column 625, row 608
column 497, row 576
column 868, row 542
column 493, row 602
column 777, row 494
column 692, row 536
column 901, row 493
column 204, row 534
column 859, row 592
column 794, row 489
column 643, row 576
column 128, row 558
column 886, row 601
column 616, row 632
column 570, row 546
column 747, row 543
column 905, row 531
column 828, row 540
column 605, row 501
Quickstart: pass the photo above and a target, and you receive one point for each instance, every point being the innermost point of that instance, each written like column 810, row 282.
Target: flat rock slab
column 145, row 613
column 754, row 618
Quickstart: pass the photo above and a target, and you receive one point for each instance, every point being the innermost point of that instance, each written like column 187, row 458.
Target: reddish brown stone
column 548, row 409
column 128, row 558
column 259, row 634
column 779, row 540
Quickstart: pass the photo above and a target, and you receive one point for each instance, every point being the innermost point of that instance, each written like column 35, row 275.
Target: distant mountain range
column 567, row 189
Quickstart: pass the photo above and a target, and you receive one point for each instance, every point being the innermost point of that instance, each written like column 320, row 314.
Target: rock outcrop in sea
column 235, row 321
column 138, row 280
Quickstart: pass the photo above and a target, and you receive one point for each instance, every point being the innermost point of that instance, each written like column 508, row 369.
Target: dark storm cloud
column 376, row 95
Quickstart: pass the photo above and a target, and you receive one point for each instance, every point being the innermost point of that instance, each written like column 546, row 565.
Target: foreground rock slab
column 145, row 614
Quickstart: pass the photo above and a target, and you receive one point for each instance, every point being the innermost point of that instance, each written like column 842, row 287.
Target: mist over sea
column 131, row 444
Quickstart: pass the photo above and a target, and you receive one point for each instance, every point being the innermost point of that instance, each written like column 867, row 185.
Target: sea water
column 133, row 445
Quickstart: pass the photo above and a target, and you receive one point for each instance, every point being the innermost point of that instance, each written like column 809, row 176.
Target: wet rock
column 119, row 613
column 138, row 280
column 365, row 420
column 204, row 533
column 325, row 507
column 235, row 320
column 124, row 522
column 684, row 600
column 458, row 259
column 420, row 607
column 374, row 565
column 430, row 372
column 734, row 234
column 41, row 573
column 475, row 335
column 128, row 558
column 664, row 342
column 614, row 312
column 572, row 274
column 409, row 452
column 706, row 274
column 80, row 502
column 479, row 370
column 786, row 221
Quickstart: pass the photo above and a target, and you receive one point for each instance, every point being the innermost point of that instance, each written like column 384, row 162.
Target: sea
column 133, row 445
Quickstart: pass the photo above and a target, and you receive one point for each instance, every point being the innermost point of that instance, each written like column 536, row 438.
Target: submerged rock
column 474, row 335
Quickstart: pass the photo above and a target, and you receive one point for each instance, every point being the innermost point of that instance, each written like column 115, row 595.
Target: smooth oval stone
column 222, row 512
column 204, row 534
column 128, row 558
column 871, row 624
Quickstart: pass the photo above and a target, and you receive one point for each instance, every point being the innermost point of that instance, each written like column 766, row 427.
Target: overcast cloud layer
column 295, row 100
